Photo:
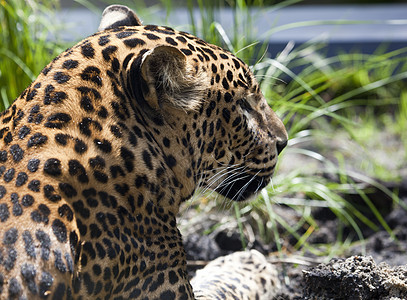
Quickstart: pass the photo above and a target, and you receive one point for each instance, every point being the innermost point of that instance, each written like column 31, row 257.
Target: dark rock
column 229, row 241
column 201, row 248
column 357, row 277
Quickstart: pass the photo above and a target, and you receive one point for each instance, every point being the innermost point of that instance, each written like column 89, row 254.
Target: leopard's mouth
column 243, row 187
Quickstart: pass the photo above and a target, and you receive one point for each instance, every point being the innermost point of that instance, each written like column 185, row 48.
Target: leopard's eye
column 245, row 105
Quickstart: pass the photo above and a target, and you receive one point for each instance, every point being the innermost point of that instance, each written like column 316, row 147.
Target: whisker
column 243, row 188
column 230, row 182
column 262, row 179
column 226, row 172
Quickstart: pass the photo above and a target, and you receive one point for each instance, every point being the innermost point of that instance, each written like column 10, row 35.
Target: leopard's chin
column 244, row 188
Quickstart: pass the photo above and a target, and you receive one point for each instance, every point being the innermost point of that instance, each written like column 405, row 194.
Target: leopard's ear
column 118, row 15
column 171, row 79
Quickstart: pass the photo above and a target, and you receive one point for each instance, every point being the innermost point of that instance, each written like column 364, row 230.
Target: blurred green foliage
column 27, row 44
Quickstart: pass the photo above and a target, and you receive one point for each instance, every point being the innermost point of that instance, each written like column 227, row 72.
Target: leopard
column 98, row 153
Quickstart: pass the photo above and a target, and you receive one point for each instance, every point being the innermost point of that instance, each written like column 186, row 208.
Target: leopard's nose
column 281, row 145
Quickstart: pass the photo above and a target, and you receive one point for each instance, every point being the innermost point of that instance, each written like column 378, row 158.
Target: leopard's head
column 208, row 106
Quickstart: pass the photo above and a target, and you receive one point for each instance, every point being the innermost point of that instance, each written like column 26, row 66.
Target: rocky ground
column 375, row 270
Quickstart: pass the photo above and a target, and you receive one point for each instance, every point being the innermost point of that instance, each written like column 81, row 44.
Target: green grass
column 350, row 97
column 25, row 47
column 357, row 99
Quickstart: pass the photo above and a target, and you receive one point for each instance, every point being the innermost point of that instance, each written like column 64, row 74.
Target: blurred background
column 334, row 71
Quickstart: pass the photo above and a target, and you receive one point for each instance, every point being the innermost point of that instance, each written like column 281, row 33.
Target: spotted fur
column 100, row 150
column 244, row 275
